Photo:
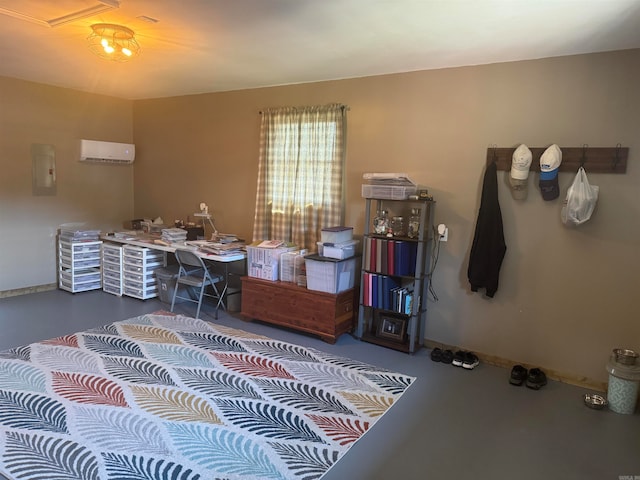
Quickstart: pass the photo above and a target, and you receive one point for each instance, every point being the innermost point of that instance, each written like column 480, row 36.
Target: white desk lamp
column 204, row 214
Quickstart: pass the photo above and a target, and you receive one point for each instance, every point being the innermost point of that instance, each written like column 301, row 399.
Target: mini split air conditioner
column 94, row 151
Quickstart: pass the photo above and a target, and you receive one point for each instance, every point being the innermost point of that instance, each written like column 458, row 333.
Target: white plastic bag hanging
column 580, row 201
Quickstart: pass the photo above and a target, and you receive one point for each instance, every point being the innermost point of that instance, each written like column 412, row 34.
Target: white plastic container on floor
column 624, row 383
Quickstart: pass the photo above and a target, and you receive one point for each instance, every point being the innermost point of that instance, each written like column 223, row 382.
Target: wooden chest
column 327, row 315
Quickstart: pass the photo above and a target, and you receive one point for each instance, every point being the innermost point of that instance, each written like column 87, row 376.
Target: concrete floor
column 450, row 424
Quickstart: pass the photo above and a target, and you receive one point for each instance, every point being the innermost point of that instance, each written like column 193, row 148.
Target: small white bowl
column 595, row 401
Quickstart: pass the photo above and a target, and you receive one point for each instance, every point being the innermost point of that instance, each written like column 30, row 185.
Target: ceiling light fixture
column 113, row 42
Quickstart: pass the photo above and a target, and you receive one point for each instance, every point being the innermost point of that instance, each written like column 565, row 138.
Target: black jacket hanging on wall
column 488, row 249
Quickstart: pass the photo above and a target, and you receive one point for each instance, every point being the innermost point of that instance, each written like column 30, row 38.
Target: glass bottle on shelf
column 381, row 222
column 397, row 227
column 413, row 230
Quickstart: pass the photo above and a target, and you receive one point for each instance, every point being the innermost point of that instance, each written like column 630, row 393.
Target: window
column 300, row 174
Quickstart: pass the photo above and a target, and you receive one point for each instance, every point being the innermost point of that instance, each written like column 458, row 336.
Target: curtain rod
column 343, row 107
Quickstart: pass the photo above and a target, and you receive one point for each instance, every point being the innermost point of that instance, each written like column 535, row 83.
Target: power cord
column 435, row 254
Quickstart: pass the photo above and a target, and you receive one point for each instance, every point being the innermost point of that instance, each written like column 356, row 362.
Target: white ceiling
column 200, row 46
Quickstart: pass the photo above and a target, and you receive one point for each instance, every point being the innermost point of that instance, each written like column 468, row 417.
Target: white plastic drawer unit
column 137, row 291
column 138, row 267
column 80, row 280
column 140, row 278
column 112, row 274
column 78, row 287
column 81, row 247
column 111, row 258
column 112, row 249
column 143, row 253
column 142, row 269
column 112, row 285
column 112, row 269
column 81, row 276
column 79, row 265
column 145, row 264
column 68, row 262
column 144, row 257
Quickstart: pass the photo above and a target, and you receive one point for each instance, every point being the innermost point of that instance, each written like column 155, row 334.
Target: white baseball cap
column 520, row 162
column 518, row 177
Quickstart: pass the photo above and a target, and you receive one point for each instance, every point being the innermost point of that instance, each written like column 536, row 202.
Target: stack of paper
column 217, row 248
column 174, row 235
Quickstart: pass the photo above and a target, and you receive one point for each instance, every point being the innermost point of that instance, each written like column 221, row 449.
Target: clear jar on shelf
column 397, row 227
column 381, row 223
column 413, row 230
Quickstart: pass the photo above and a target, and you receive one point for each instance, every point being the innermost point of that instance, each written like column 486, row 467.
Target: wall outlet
column 443, row 232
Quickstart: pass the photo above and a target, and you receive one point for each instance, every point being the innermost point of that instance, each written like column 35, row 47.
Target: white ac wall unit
column 95, row 151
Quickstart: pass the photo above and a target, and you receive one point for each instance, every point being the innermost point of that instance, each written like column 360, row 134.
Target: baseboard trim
column 27, row 290
column 563, row 377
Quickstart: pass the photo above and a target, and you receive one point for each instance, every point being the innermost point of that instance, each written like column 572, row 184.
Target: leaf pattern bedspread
column 163, row 397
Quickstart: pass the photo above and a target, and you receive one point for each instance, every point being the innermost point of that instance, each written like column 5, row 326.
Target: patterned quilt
column 164, row 397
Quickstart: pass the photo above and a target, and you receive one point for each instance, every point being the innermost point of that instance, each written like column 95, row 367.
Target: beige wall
column 100, row 195
column 565, row 297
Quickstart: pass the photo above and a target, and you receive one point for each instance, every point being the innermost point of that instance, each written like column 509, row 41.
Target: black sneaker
column 518, row 375
column 536, row 379
column 436, row 355
column 458, row 358
column 470, row 361
column 447, row 356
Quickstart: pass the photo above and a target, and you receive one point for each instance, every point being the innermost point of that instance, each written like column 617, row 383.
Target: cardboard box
column 262, row 262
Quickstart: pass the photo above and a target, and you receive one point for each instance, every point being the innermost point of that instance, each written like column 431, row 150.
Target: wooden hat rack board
column 593, row 159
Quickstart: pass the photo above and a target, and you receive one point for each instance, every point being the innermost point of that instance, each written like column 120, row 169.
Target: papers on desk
column 174, row 235
column 217, row 248
column 126, row 235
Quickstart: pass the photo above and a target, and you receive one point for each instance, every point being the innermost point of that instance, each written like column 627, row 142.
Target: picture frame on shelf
column 390, row 326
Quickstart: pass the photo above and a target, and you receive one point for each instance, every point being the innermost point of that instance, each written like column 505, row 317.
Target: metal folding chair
column 196, row 279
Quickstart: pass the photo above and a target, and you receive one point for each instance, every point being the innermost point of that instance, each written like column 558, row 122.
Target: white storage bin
column 336, row 234
column 329, row 275
column 339, row 251
column 292, row 267
column 388, row 192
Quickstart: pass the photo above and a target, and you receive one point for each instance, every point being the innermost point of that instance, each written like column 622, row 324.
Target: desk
column 220, row 261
